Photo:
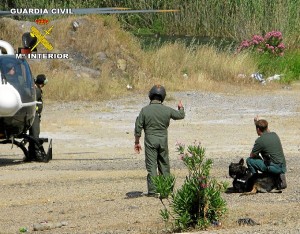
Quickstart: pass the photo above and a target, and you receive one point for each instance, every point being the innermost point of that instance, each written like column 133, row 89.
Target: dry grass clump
column 181, row 68
column 87, row 76
column 223, row 66
column 68, row 85
column 96, row 34
column 11, row 32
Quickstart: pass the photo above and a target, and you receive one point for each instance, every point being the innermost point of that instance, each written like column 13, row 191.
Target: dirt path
column 94, row 166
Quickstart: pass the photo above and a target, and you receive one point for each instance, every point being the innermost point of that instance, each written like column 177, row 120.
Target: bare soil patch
column 94, row 167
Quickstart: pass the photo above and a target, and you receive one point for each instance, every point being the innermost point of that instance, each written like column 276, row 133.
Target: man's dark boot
column 31, row 154
column 282, row 182
column 39, row 157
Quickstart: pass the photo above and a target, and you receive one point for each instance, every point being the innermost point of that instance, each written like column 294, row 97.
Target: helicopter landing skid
column 41, row 156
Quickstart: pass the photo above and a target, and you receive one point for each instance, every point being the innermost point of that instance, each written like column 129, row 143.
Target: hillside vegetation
column 104, row 59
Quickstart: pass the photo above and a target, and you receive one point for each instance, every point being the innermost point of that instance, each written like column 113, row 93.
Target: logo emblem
column 41, row 38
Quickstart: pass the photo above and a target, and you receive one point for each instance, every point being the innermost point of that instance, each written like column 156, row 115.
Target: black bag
column 267, row 160
column 282, row 181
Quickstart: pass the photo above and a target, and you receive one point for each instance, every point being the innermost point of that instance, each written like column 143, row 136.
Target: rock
column 47, row 226
column 84, row 75
column 86, row 72
column 40, row 227
column 101, row 56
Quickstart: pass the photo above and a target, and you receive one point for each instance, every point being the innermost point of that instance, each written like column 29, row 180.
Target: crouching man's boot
column 281, row 182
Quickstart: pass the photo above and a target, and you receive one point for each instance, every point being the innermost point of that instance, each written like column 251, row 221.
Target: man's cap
column 41, row 79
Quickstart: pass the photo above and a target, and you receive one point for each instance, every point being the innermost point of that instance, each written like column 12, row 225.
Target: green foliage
column 288, row 65
column 198, row 203
column 164, row 184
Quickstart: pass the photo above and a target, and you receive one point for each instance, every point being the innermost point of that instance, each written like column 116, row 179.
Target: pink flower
column 271, row 43
column 179, row 144
column 281, row 46
column 257, row 39
column 181, row 156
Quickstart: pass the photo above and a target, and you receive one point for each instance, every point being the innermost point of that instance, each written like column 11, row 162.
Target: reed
column 231, row 18
column 235, row 19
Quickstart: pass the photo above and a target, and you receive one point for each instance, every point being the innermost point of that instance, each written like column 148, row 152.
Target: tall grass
column 231, row 18
column 181, row 67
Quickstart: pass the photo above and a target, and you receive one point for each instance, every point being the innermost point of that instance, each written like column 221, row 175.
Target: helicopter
column 18, row 103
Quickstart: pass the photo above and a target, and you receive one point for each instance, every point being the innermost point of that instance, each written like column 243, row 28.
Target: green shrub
column 288, row 66
column 198, row 203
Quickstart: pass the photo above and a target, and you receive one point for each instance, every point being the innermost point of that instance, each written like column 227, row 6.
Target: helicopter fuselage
column 18, row 124
column 18, row 106
column 17, row 97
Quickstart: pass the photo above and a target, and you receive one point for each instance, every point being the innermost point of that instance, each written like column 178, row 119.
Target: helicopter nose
column 9, row 101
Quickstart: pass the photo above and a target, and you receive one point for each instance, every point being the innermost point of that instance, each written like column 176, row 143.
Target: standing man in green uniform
column 34, row 131
column 268, row 145
column 155, row 120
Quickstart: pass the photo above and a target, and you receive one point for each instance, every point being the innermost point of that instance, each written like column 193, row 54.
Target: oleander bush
column 198, row 203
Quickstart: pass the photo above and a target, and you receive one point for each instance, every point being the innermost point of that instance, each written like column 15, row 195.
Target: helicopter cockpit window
column 17, row 73
column 13, row 71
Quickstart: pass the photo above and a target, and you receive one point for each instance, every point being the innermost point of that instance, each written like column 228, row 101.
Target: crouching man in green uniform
column 268, row 145
column 155, row 119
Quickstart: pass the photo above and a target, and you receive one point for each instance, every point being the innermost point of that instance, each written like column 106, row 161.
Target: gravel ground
column 85, row 188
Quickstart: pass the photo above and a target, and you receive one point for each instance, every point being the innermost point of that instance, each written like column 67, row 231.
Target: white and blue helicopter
column 18, row 103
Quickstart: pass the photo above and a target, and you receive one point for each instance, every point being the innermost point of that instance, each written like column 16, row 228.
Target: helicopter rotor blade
column 93, row 10
column 4, row 13
column 123, row 11
column 86, row 11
